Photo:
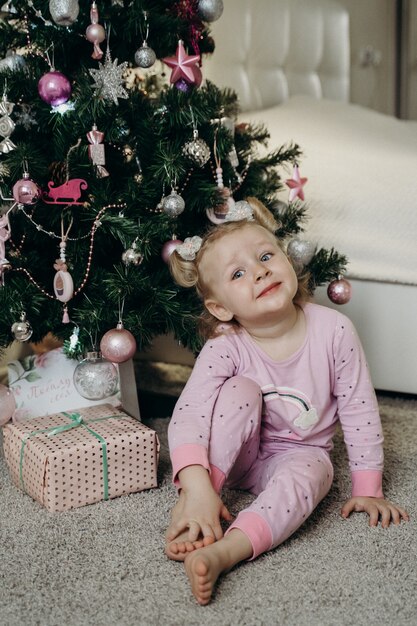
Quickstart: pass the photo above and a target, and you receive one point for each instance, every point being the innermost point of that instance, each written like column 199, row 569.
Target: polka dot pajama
column 288, row 483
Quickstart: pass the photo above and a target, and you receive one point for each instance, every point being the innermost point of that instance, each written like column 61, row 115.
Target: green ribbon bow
column 76, row 421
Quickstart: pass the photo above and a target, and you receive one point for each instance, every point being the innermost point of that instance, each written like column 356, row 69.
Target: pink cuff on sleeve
column 367, row 483
column 187, row 454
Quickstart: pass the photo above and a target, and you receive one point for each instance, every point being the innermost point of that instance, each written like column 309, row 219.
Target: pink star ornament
column 183, row 65
column 296, row 184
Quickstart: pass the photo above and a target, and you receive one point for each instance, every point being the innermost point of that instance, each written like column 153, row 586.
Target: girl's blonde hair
column 187, row 274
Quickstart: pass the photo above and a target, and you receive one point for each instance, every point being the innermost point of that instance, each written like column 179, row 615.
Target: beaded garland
column 91, row 234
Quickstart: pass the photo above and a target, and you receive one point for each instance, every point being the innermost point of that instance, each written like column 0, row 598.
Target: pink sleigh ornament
column 67, row 193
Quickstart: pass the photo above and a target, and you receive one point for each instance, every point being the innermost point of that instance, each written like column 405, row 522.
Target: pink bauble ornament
column 25, row 191
column 118, row 345
column 54, row 88
column 339, row 291
column 7, row 405
column 169, row 247
column 95, row 33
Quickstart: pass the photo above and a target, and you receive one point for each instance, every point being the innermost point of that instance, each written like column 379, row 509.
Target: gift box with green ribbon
column 70, row 459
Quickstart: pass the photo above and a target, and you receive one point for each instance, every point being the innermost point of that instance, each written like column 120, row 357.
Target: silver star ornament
column 108, row 79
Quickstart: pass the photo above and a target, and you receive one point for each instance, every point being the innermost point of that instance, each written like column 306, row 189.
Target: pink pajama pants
column 288, row 483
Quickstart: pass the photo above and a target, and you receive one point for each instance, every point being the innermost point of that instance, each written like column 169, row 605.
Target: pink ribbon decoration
column 96, row 151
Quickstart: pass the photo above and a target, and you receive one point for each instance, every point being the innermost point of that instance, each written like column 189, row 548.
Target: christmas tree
column 113, row 148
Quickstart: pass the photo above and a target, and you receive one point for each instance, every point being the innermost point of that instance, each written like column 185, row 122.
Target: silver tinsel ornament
column 196, row 150
column 145, row 56
column 64, row 12
column 22, row 330
column 210, row 10
column 173, row 205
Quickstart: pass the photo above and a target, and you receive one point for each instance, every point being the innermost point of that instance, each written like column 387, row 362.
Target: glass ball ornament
column 95, row 378
column 95, row 33
column 118, row 344
column 54, row 88
column 183, row 85
column 22, row 330
column 145, row 56
column 173, row 205
column 196, row 150
column 64, row 12
column 339, row 291
column 169, row 247
column 25, row 191
column 301, row 251
column 132, row 256
column 210, row 10
column 7, row 405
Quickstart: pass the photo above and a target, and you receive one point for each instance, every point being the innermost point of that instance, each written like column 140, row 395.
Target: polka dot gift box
column 73, row 458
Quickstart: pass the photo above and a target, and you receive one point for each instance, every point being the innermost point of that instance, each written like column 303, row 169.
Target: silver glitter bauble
column 145, row 56
column 95, row 378
column 210, row 10
column 301, row 252
column 22, row 330
column 64, row 12
column 196, row 150
column 12, row 61
column 173, row 205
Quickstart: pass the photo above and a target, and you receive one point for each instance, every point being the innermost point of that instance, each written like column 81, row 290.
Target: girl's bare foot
column 204, row 566
column 180, row 547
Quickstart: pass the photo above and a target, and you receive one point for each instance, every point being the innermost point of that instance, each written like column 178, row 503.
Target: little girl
column 262, row 403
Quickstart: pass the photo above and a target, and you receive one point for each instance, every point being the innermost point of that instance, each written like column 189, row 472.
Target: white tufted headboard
column 268, row 50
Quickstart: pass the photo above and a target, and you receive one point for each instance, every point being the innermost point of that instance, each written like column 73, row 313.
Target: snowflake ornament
column 25, row 117
column 108, row 79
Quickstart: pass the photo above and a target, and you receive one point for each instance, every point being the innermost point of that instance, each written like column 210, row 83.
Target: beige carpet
column 104, row 564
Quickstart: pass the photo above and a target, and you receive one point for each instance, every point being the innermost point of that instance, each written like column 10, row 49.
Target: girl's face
column 249, row 278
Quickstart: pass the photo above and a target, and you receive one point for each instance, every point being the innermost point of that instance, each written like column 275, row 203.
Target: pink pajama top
column 304, row 397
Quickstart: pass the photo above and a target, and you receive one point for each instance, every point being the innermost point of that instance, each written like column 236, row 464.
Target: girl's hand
column 377, row 508
column 199, row 509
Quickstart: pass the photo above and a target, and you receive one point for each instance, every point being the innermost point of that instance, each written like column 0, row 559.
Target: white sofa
column 289, row 62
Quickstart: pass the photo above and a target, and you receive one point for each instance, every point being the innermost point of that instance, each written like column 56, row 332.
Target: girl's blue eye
column 237, row 274
column 266, row 256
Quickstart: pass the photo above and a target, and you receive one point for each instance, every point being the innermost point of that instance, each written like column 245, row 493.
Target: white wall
column 372, row 24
